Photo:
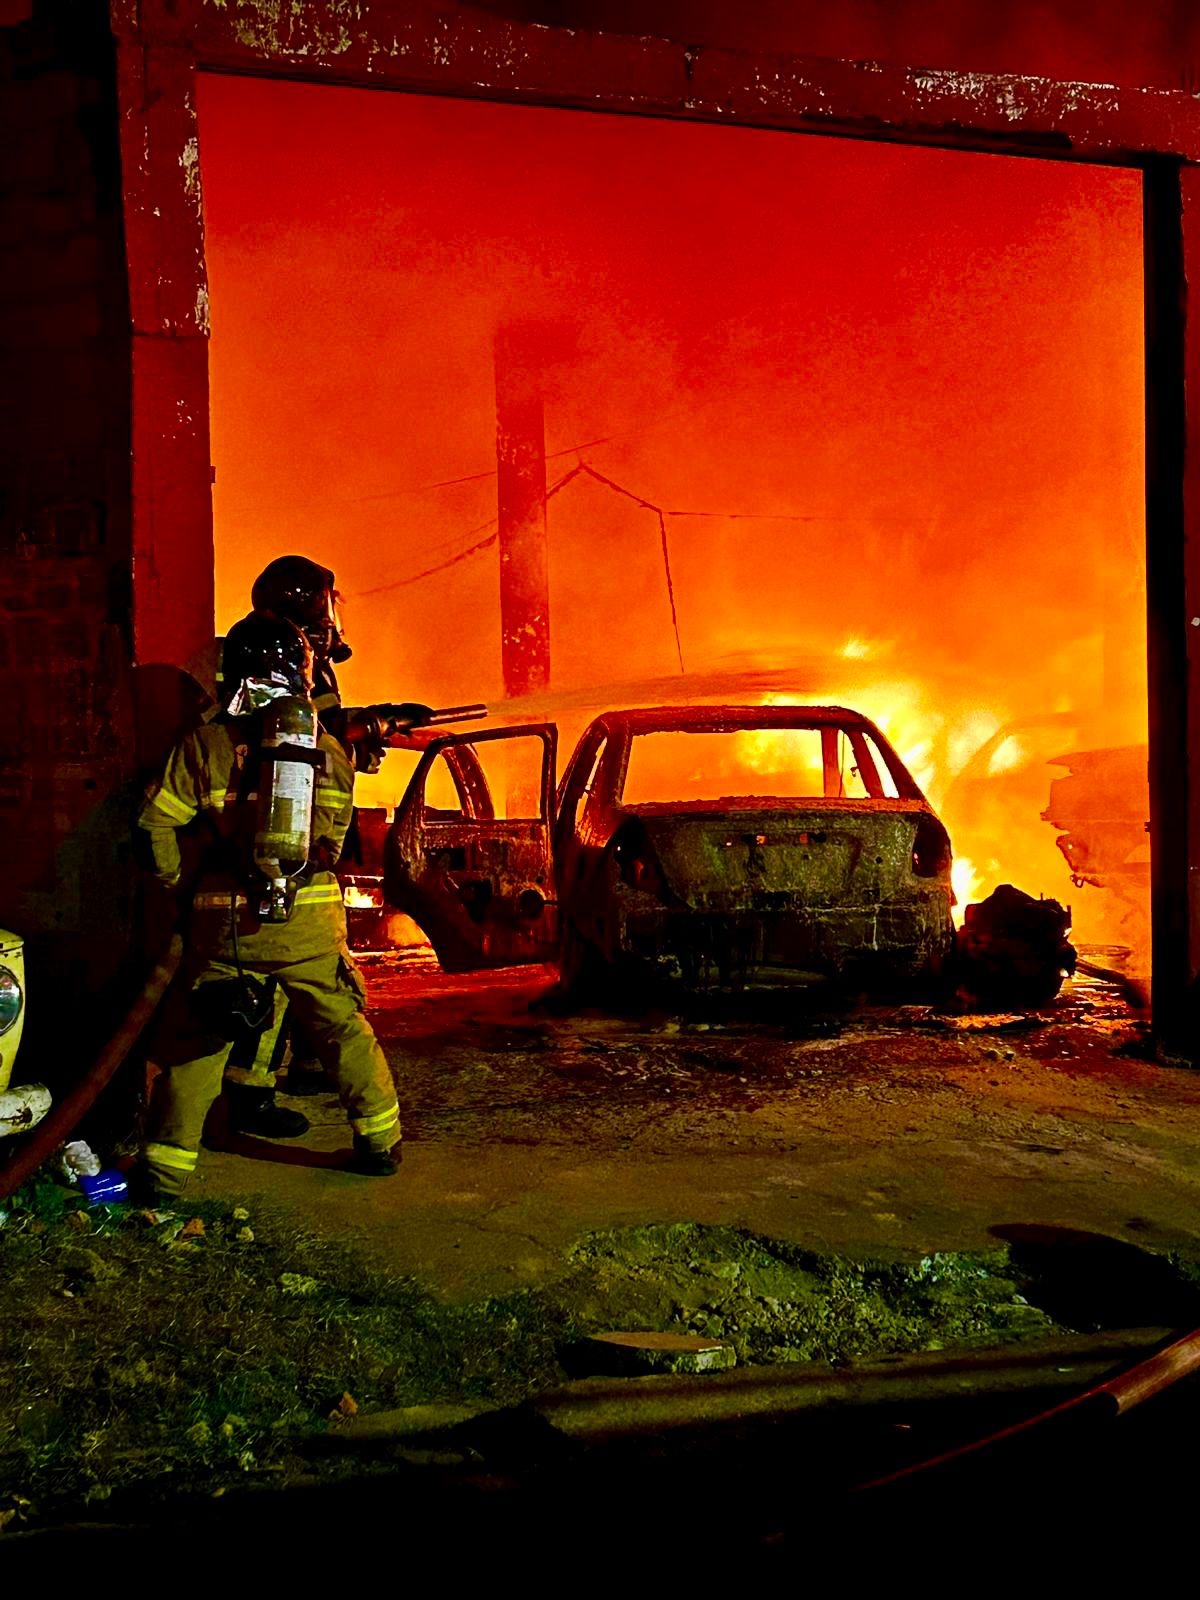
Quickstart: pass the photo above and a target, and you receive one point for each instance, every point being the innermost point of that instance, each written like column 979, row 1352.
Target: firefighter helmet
column 267, row 649
column 305, row 593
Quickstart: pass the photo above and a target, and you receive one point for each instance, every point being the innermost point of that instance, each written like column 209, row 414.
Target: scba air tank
column 286, row 790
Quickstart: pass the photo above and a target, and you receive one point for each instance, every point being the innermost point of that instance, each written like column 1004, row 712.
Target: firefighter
column 304, row 593
column 248, row 934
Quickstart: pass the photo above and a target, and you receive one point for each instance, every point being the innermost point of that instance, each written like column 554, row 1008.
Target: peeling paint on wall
column 1015, row 99
column 190, row 162
column 471, row 50
column 292, row 27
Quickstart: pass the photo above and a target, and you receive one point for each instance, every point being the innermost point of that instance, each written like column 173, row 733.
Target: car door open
column 468, row 855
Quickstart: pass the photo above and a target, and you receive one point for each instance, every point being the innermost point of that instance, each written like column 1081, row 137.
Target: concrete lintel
column 394, row 44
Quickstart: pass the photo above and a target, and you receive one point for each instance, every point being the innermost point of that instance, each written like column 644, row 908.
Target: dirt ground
column 892, row 1132
column 824, row 1194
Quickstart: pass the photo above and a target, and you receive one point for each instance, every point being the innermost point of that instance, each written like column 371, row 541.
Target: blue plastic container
column 107, row 1188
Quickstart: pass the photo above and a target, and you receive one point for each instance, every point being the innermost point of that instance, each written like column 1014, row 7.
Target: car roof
column 718, row 719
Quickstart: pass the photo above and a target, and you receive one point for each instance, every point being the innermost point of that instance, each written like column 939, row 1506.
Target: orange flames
column 356, row 898
column 879, row 409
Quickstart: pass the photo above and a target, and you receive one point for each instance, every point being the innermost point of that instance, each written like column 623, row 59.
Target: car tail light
column 931, row 849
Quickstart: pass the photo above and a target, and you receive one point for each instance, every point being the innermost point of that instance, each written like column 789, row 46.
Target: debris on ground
column 22, row 1106
column 105, row 1188
column 1013, row 950
column 77, row 1160
column 111, row 1376
column 346, row 1408
column 987, row 1022
column 655, row 1352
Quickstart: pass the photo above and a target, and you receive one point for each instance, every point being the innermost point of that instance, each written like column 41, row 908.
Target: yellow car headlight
column 11, row 999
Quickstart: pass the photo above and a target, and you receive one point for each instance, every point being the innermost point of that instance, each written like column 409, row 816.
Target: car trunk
column 785, row 857
column 774, row 893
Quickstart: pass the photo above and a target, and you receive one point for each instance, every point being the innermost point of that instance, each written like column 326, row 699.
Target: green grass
column 135, row 1357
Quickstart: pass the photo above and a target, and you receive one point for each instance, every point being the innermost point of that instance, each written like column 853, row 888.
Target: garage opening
column 590, row 413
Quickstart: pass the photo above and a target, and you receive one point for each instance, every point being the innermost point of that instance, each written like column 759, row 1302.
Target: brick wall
column 66, row 733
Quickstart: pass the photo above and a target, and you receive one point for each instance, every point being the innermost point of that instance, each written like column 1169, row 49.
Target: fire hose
column 67, row 1114
column 1103, row 1402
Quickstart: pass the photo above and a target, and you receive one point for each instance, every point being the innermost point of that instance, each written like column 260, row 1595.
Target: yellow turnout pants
column 327, row 996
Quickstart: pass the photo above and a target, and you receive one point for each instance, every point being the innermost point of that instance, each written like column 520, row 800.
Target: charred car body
column 1101, row 809
column 650, row 860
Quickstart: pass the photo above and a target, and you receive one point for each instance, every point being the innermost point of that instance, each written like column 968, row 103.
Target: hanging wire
column 460, row 555
column 452, row 561
column 585, row 469
column 553, row 455
column 648, row 505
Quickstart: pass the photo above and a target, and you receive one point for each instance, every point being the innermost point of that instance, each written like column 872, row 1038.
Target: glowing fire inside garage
column 824, row 422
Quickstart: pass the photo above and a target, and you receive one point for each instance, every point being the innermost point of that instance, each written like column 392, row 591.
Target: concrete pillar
column 1172, row 246
column 521, row 503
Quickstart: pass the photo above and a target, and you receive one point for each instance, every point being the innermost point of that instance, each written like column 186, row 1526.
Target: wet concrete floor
column 892, row 1132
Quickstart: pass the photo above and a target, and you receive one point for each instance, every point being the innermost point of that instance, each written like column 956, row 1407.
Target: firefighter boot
column 254, row 1111
column 145, row 1189
column 372, row 1163
column 308, row 1077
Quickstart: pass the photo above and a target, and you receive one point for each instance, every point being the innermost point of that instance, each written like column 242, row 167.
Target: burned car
column 716, row 846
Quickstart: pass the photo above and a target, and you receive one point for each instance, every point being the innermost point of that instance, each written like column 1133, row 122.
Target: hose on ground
column 1106, row 1400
